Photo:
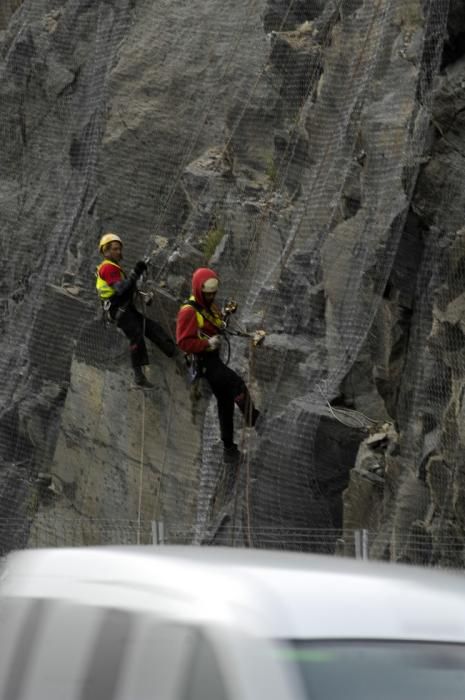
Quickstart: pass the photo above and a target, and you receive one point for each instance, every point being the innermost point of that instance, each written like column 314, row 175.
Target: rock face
column 6, row 11
column 312, row 153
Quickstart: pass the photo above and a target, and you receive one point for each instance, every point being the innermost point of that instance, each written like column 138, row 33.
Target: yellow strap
column 204, row 315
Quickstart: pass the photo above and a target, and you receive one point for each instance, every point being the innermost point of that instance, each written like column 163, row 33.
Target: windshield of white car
column 362, row 670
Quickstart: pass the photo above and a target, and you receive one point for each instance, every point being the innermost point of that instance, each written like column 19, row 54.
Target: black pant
column 135, row 326
column 228, row 389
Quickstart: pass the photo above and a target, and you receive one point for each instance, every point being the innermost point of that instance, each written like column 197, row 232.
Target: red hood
column 200, row 276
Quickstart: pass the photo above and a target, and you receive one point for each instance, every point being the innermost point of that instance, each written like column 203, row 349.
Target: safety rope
column 167, row 325
column 84, row 490
column 156, row 509
column 142, row 451
column 247, row 494
column 141, row 468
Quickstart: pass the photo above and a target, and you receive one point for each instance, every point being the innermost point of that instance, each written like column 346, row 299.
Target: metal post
column 158, row 532
column 361, row 544
column 365, row 545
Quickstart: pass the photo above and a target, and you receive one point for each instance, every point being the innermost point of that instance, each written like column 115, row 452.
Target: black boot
column 252, row 417
column 245, row 405
column 140, row 379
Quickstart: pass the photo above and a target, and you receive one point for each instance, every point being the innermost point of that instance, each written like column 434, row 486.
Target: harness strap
column 107, row 305
column 193, row 361
column 214, row 320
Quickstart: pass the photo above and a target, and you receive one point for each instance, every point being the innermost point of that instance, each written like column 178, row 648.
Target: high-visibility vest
column 203, row 315
column 105, row 290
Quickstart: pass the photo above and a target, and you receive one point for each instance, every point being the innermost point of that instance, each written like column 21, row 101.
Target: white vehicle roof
column 273, row 594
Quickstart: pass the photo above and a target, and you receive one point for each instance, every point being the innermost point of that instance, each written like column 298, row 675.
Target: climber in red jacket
column 199, row 328
column 116, row 291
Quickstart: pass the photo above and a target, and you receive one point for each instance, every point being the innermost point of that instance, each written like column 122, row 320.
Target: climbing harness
column 205, row 315
column 222, row 323
column 193, row 365
column 230, row 307
column 106, row 292
column 107, row 317
column 110, row 313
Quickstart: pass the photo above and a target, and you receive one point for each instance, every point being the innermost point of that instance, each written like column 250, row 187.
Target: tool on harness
column 108, row 318
column 193, row 368
column 229, row 308
column 147, row 297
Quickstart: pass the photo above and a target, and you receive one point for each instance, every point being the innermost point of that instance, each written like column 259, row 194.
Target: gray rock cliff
column 311, row 153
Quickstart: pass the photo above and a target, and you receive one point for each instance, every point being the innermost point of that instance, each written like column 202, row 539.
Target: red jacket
column 111, row 273
column 188, row 329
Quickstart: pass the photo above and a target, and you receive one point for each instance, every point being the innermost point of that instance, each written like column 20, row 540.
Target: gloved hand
column 139, row 268
column 214, row 342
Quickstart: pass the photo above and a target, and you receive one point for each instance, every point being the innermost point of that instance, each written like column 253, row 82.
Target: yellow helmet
column 108, row 238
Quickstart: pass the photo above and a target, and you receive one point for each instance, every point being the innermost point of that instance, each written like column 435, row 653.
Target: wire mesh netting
column 446, row 551
column 290, row 145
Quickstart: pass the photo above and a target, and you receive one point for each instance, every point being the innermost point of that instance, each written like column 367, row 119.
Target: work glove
column 139, row 268
column 214, row 342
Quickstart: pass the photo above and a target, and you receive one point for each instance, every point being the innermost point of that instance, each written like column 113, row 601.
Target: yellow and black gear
column 202, row 315
column 213, row 316
column 105, row 290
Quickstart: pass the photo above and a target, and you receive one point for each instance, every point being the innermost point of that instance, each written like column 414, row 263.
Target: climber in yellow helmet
column 116, row 291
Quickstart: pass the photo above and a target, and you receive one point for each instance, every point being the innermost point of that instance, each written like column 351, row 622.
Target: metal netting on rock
column 290, row 145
